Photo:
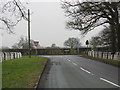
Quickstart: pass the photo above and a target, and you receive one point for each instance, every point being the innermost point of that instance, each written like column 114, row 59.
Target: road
column 72, row 71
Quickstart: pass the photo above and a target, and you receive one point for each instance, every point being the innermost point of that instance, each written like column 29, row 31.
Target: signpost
column 36, row 45
column 87, row 43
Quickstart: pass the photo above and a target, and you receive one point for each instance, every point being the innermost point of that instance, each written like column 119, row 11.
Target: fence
column 105, row 55
column 9, row 55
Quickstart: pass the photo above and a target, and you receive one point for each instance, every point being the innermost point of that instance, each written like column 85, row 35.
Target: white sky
column 47, row 26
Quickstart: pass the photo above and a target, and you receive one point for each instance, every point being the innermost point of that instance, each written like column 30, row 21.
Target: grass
column 22, row 72
column 108, row 61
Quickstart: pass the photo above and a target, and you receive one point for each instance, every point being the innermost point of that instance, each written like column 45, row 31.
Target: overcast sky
column 47, row 26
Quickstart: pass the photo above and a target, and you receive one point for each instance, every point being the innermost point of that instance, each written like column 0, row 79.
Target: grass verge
column 108, row 61
column 22, row 72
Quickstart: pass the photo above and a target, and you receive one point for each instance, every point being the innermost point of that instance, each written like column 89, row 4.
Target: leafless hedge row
column 9, row 55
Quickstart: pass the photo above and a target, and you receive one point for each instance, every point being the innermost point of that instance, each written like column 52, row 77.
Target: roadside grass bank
column 107, row 61
column 22, row 72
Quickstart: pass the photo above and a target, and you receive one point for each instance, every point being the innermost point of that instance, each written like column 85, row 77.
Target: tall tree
column 72, row 42
column 106, row 37
column 11, row 12
column 23, row 44
column 103, row 39
column 95, row 42
column 53, row 45
column 85, row 16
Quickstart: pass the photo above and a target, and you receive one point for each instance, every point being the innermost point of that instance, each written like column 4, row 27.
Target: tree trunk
column 113, row 39
column 118, row 38
column 117, row 25
column 118, row 33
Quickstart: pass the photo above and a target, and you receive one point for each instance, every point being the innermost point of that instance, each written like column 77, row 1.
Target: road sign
column 36, row 43
column 87, row 42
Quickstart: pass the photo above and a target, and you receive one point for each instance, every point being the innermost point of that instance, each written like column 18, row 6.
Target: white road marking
column 109, row 82
column 75, row 64
column 93, row 74
column 86, row 71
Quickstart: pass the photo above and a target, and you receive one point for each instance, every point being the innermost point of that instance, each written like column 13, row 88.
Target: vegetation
column 53, row 46
column 72, row 42
column 95, row 42
column 23, row 44
column 85, row 16
column 11, row 12
column 22, row 72
column 103, row 39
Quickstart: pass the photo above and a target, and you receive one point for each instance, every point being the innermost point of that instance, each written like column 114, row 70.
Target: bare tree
column 53, row 45
column 85, row 16
column 95, row 42
column 72, row 43
column 11, row 12
column 23, row 44
column 103, row 39
column 106, row 37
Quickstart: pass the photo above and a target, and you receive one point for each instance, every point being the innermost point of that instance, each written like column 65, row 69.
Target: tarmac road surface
column 72, row 71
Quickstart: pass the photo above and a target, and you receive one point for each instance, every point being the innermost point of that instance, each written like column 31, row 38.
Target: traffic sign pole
column 36, row 44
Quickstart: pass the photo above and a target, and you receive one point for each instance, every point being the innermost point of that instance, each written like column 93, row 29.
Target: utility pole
column 29, row 33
